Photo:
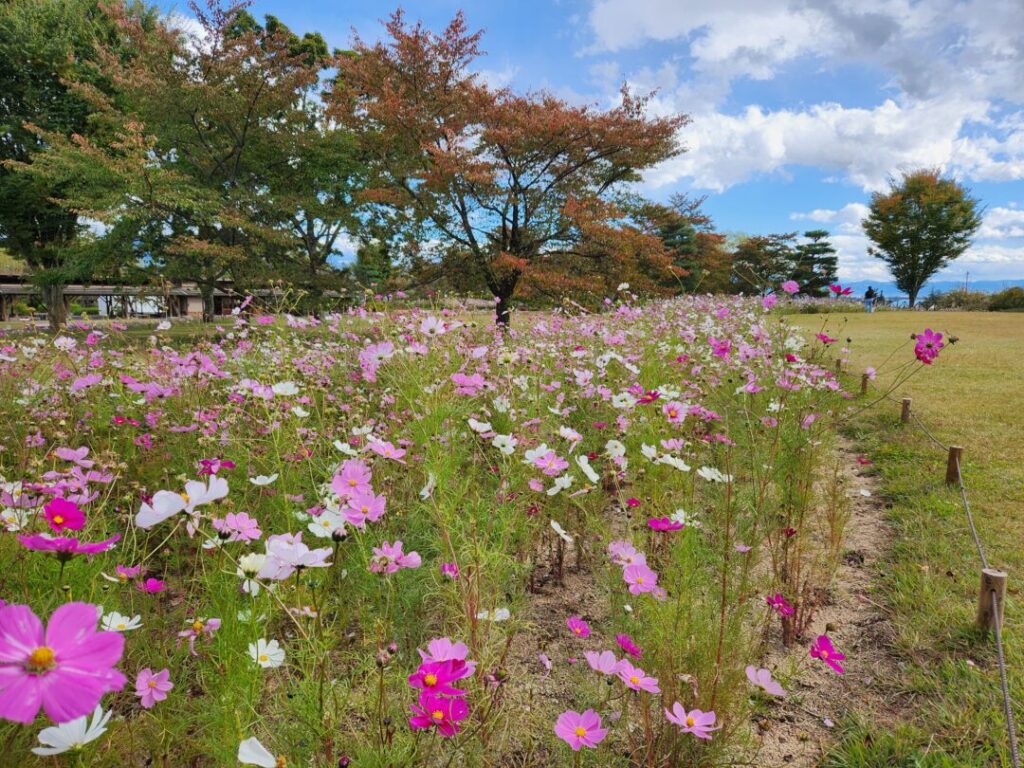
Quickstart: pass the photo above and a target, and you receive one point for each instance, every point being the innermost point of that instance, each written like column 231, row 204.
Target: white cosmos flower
column 117, row 622
column 285, row 388
column 14, row 519
column 268, row 654
column 713, row 475
column 535, row 453
column 615, row 449
column 326, row 523
column 251, row 752
column 649, row 451
column 167, row 503
column 299, row 412
column 501, row 404
column 562, row 482
column 584, row 464
column 480, row 426
column 263, row 479
column 65, row 343
column 557, row 528
column 623, row 401
column 674, row 461
column 164, row 325
column 498, row 614
column 345, row 448
column 248, row 567
column 74, row 734
column 505, row 443
column 428, row 490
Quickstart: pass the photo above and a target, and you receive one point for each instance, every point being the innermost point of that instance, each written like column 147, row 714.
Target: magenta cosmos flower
column 636, row 678
column 580, row 729
column 928, row 345
column 61, row 513
column 697, row 722
column 824, row 650
column 65, row 670
column 664, row 524
column 443, row 649
column 152, row 687
column 626, row 643
column 779, row 604
column 578, row 626
column 433, row 677
column 438, row 712
column 66, row 548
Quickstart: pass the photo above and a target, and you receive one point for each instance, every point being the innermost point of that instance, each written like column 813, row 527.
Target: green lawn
column 972, row 396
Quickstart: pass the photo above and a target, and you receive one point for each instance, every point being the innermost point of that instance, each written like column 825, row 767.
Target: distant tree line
column 238, row 152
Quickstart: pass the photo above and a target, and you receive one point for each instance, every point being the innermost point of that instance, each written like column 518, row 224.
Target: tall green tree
column 919, row 226
column 815, row 263
column 44, row 46
column 762, row 262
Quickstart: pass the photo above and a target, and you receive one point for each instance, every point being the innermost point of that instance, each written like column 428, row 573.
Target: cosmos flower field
column 400, row 537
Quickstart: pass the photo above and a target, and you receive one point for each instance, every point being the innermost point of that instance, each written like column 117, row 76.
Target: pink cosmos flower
column 626, row 643
column 790, row 287
column 636, row 678
column 779, row 604
column 623, row 553
column 674, row 411
column 389, row 558
column 640, row 578
column 61, row 513
column 438, row 712
column 699, row 723
column 443, row 649
column 928, row 345
column 387, row 450
column 66, row 670
column 353, row 477
column 197, row 629
column 151, row 688
column 580, row 730
column 578, row 626
column 364, row 507
column 603, row 662
column 551, row 464
column 824, row 650
column 839, row 290
column 769, row 301
column 151, row 586
column 434, row 677
column 66, row 548
column 237, row 526
column 76, row 456
column 451, row 570
column 286, row 554
column 762, row 678
column 665, row 524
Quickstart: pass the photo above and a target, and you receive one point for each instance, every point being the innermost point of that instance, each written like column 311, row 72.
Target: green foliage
column 919, row 226
column 959, row 298
column 762, row 262
column 815, row 264
column 1010, row 299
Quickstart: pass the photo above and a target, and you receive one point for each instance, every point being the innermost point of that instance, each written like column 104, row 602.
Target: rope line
column 997, row 620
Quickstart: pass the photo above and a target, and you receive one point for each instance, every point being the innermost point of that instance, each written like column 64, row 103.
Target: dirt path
column 799, row 729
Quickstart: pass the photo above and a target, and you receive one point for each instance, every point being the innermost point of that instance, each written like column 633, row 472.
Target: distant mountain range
column 940, row 286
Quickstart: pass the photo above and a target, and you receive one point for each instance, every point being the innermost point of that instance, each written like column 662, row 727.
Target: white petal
column 251, row 752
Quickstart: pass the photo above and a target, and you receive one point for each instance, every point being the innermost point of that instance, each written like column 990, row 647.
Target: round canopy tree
column 919, row 226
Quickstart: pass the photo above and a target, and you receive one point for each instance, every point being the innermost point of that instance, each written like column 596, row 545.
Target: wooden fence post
column 839, row 365
column 864, row 379
column 905, row 413
column 952, row 464
column 991, row 581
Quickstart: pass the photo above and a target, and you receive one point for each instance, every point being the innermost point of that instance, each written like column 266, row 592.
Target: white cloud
column 1000, row 223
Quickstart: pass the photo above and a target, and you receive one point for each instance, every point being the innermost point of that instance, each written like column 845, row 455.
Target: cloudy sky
column 800, row 108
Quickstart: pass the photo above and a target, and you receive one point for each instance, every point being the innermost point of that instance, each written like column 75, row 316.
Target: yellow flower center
column 824, row 654
column 151, row 683
column 634, row 679
column 197, row 626
column 577, row 630
column 122, row 625
column 42, row 659
column 58, row 519
column 639, row 579
column 430, row 679
column 364, row 509
column 264, row 657
column 352, row 483
column 281, row 762
column 581, row 731
column 122, row 576
column 184, row 496
column 689, row 722
column 438, row 715
column 673, row 413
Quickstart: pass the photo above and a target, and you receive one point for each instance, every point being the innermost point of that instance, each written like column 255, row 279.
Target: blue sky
column 800, row 108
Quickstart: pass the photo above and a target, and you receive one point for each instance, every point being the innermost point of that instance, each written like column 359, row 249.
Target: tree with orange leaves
column 522, row 188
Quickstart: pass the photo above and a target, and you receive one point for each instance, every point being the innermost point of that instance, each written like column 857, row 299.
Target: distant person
column 869, row 299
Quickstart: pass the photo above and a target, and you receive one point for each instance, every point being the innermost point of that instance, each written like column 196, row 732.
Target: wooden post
column 905, row 413
column 952, row 473
column 991, row 581
column 864, row 379
column 839, row 365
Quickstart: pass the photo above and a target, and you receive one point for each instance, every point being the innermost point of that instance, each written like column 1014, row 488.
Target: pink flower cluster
column 441, row 705
column 635, row 572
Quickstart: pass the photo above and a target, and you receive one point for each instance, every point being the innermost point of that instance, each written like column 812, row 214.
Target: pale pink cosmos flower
column 603, row 662
column 636, row 678
column 387, row 450
column 623, row 553
column 151, row 688
column 697, row 722
column 389, row 558
column 640, row 579
column 580, row 729
column 286, row 553
column 551, row 464
column 443, row 649
column 762, row 678
column 238, row 526
column 197, row 629
column 674, row 411
column 65, row 670
column 790, row 287
column 364, row 507
column 353, row 477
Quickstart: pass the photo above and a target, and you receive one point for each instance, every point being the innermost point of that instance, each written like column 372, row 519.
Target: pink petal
column 20, row 699
column 21, row 632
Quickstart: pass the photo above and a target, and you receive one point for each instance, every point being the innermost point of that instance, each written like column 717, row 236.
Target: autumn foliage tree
column 521, row 190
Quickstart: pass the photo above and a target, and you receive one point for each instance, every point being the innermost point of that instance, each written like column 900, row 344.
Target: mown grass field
column 973, row 396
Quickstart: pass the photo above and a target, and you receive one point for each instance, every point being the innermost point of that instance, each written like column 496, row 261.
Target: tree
column 44, row 44
column 762, row 262
column 815, row 263
column 697, row 250
column 521, row 189
column 919, row 226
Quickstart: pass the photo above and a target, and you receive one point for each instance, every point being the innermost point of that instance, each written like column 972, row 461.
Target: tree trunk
column 56, row 309
column 206, row 291
column 502, row 311
column 911, row 298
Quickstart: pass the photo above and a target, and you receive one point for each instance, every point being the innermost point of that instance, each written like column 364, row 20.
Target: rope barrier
column 996, row 605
